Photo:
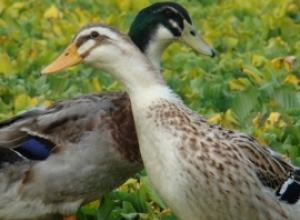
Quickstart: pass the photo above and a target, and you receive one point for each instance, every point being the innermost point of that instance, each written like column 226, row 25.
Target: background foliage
column 252, row 85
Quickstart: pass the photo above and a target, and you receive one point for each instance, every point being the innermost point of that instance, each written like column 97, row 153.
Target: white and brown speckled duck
column 54, row 160
column 200, row 170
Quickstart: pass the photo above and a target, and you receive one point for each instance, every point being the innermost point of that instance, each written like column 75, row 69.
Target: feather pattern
column 186, row 157
column 116, row 155
column 271, row 169
column 212, row 170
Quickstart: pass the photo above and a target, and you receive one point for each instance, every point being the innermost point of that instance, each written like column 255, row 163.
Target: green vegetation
column 252, row 85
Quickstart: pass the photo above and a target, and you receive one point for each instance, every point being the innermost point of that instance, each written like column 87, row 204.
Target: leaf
column 272, row 120
column 244, row 102
column 47, row 103
column 152, row 195
column 130, row 185
column 140, row 5
column 130, row 216
column 292, row 80
column 291, row 131
column 2, row 6
column 96, row 85
column 111, row 19
column 52, row 12
column 216, row 119
column 23, row 101
column 230, row 120
column 239, row 84
column 294, row 152
column 256, row 121
column 286, row 62
column 124, row 5
column 91, row 208
column 80, row 215
column 254, row 74
column 5, row 63
column 286, row 97
column 230, row 42
column 104, row 211
column 258, row 61
column 292, row 9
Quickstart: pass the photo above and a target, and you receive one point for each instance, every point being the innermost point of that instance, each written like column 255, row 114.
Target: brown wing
column 69, row 120
column 271, row 168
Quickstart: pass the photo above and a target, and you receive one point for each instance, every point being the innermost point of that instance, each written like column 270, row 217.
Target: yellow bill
column 191, row 37
column 68, row 58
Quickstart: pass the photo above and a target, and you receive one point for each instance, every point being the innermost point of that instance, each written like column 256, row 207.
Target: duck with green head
column 54, row 160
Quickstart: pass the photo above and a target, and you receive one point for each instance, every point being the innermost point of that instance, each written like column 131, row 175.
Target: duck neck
column 140, row 74
column 154, row 51
column 152, row 42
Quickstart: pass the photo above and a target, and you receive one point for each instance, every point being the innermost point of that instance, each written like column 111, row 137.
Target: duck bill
column 191, row 37
column 68, row 58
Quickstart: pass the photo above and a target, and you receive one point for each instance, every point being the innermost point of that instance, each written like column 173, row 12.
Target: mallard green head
column 158, row 25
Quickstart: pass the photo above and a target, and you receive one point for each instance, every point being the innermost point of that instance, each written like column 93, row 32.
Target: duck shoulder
column 68, row 121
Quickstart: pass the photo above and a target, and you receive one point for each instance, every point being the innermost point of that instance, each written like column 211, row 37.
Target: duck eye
column 168, row 13
column 94, row 34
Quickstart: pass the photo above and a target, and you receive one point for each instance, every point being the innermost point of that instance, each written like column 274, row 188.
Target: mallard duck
column 54, row 160
column 200, row 170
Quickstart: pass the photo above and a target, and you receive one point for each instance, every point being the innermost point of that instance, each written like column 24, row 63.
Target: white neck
column 160, row 40
column 154, row 52
column 134, row 71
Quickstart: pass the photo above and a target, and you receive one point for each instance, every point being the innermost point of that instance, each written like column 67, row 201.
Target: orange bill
column 69, row 217
column 68, row 58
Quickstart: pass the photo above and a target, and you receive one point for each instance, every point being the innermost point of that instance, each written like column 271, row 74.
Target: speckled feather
column 271, row 169
column 212, row 169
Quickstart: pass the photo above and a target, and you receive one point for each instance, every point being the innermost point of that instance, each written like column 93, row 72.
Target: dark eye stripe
column 81, row 40
column 98, row 42
column 176, row 27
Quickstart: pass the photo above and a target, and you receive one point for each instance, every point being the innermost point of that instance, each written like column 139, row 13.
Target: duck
column 200, row 170
column 54, row 160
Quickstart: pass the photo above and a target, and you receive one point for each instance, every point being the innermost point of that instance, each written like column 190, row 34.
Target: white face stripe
column 175, row 25
column 171, row 8
column 88, row 44
column 170, row 20
column 86, row 47
column 163, row 33
column 101, row 30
